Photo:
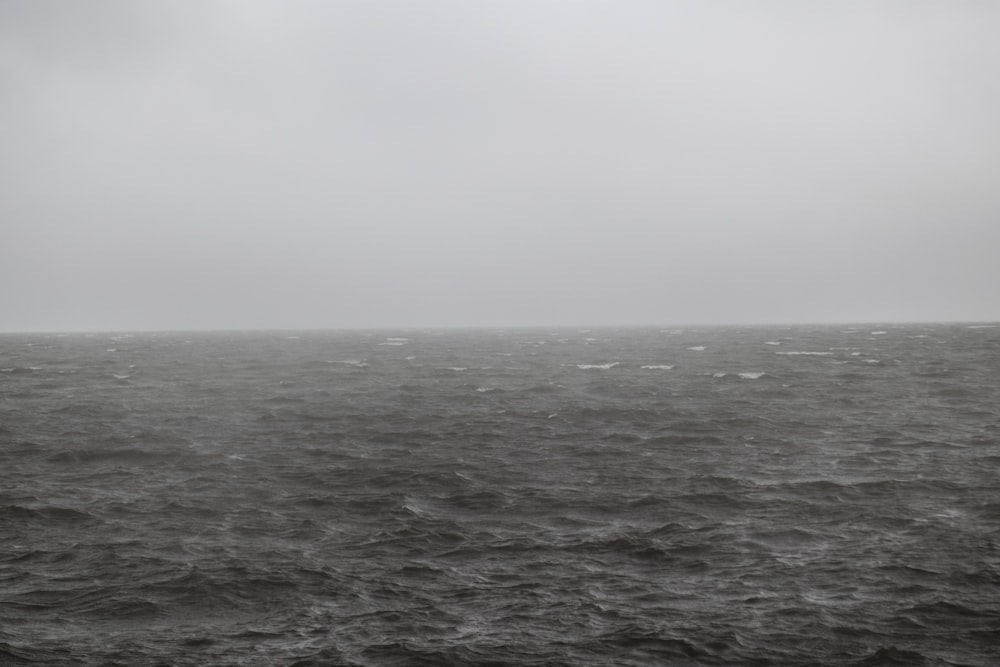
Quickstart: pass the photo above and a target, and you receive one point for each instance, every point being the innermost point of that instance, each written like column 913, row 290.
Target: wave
column 746, row 375
column 46, row 514
column 357, row 363
column 395, row 341
column 148, row 448
column 805, row 354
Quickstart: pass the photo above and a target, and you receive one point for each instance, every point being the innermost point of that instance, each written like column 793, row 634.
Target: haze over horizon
column 349, row 165
column 671, row 328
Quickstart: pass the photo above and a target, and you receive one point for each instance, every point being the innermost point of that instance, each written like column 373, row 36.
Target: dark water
column 802, row 496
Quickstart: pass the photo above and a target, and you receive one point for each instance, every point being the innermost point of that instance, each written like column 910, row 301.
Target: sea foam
column 798, row 353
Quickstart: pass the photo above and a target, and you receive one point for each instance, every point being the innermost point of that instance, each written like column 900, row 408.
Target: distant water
column 793, row 496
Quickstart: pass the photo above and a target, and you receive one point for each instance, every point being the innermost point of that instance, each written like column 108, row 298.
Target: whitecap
column 483, row 390
column 602, row 367
column 805, row 354
column 412, row 507
column 879, row 333
column 357, row 363
column 773, row 342
column 458, row 368
column 658, row 367
column 697, row 348
column 742, row 376
column 121, row 377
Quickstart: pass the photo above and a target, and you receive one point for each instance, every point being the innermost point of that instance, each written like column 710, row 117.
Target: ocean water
column 710, row 496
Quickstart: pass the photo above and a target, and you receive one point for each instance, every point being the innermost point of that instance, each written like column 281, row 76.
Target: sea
column 808, row 495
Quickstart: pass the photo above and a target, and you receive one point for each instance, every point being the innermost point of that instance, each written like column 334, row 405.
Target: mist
column 248, row 165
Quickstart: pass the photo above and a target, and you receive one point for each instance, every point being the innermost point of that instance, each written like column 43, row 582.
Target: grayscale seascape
column 528, row 333
column 704, row 496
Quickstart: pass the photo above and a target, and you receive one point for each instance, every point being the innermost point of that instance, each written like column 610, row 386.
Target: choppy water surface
column 823, row 496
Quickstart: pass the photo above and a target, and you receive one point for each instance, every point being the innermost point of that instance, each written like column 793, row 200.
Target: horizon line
column 517, row 327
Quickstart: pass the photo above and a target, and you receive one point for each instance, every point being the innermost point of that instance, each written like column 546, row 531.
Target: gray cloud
column 307, row 164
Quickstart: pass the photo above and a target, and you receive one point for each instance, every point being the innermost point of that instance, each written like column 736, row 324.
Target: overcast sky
column 249, row 164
